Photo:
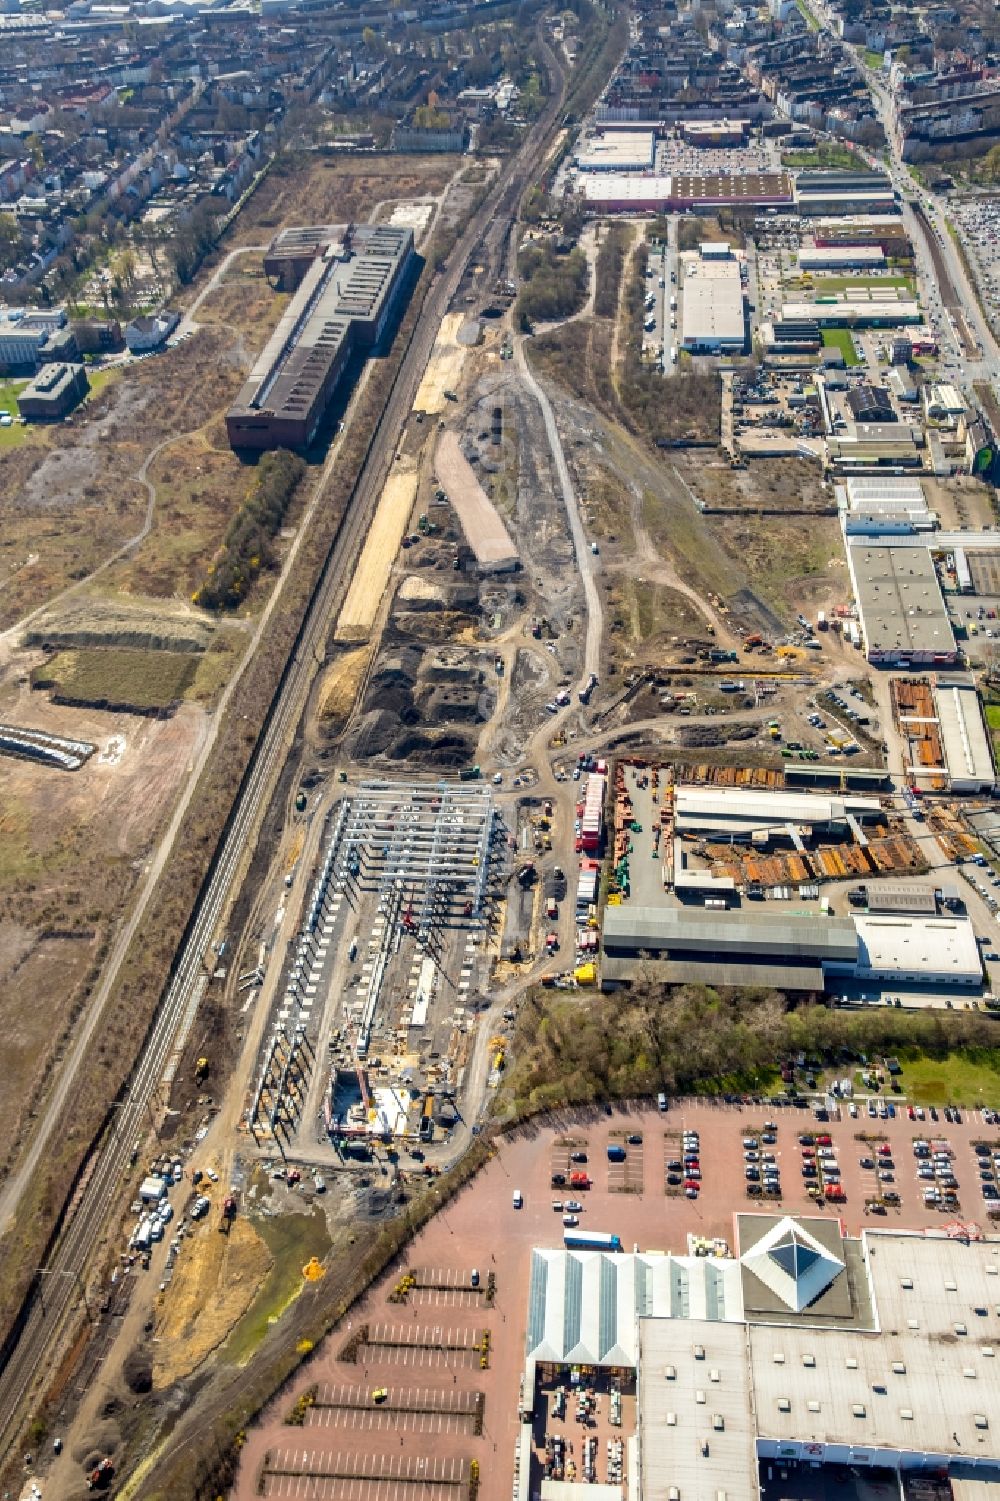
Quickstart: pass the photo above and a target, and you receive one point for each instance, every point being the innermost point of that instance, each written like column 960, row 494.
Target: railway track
column 46, row 1323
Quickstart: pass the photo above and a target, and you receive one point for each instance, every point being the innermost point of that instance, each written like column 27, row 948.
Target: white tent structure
column 792, row 1264
column 583, row 1306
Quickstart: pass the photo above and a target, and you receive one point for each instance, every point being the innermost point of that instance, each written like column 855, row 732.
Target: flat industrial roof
column 743, row 931
column 937, row 946
column 841, row 255
column 651, row 187
column 619, row 149
column 899, row 598
column 846, row 311
column 967, row 751
column 879, row 492
column 901, row 896
column 713, row 303
column 695, row 1417
column 766, row 808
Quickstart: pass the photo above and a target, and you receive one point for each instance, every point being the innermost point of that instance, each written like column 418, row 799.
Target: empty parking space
column 384, row 1420
column 446, row 1297
column 300, row 1471
column 400, row 1399
column 322, row 1488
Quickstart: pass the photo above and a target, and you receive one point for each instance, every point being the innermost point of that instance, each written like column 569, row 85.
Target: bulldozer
column 201, row 1071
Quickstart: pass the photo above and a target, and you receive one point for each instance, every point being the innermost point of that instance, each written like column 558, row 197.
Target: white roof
column 878, row 492
column 695, row 1418
column 768, row 809
column 792, row 1264
column 967, row 750
column 603, row 186
column 896, row 1390
column 583, row 1306
column 935, row 946
column 853, row 312
column 713, row 304
column 620, row 148
column 841, row 255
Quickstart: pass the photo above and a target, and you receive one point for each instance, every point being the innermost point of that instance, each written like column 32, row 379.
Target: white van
column 518, row 1199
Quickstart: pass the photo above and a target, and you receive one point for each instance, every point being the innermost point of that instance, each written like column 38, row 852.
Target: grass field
column 100, row 675
column 970, row 1078
column 10, row 437
column 827, row 284
column 291, row 1239
column 825, row 155
column 993, row 716
column 840, row 338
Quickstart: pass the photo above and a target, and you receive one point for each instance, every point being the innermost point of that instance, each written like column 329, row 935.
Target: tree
column 10, row 240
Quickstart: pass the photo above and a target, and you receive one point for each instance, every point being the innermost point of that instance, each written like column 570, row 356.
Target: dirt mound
column 374, row 734
column 420, row 594
column 107, row 623
column 104, row 1439
column 444, row 750
column 341, row 684
column 217, row 1278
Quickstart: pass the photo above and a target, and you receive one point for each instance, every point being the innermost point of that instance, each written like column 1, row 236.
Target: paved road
column 33, row 1356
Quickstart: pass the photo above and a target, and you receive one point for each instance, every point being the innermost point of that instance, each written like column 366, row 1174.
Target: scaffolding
column 424, row 847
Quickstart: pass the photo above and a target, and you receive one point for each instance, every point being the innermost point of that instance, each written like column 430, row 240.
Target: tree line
column 247, row 548
column 691, row 1039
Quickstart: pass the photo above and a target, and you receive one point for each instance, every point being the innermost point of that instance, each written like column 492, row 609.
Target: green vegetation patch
column 694, row 1039
column 292, row 1239
column 110, row 678
column 825, row 156
column 246, row 549
column 554, row 286
column 864, row 283
column 610, row 264
column 840, row 338
column 966, row 1078
column 993, row 716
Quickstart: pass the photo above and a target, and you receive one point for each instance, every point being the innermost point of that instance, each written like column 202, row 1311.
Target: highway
column 99, row 1201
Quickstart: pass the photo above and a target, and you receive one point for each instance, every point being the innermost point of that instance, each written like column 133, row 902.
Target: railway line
column 45, row 1325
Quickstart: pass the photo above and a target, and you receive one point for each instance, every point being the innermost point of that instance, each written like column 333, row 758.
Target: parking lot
column 979, row 222
column 404, row 1397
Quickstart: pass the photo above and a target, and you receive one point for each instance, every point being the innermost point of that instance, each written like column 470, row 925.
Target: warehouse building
column 622, row 193
column 715, row 133
column 873, row 447
column 812, row 1348
column 618, row 151
column 842, row 312
column 868, row 403
column 829, row 193
column 883, row 505
column 752, row 946
column 742, row 947
column 53, row 393
column 897, row 950
column 714, row 316
column 344, row 303
column 902, row 614
column 840, row 257
column 884, row 230
column 739, row 816
column 965, row 740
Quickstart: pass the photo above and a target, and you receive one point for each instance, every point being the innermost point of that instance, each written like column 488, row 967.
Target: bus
column 590, row 1240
